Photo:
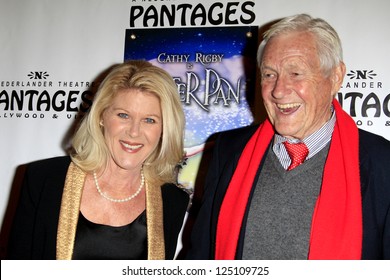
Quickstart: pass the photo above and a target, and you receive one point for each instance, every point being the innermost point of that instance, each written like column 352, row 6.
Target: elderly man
column 306, row 183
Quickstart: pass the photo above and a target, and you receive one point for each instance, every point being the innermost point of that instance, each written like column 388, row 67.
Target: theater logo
column 37, row 96
column 366, row 98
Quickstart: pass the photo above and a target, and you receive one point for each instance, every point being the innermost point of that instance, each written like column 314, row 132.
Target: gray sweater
column 280, row 213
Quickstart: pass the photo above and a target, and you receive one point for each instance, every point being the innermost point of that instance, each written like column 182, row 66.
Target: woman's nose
column 134, row 128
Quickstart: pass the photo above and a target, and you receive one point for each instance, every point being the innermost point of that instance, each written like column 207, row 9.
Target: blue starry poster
column 215, row 72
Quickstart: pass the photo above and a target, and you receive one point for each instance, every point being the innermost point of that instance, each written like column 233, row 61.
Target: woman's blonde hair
column 90, row 150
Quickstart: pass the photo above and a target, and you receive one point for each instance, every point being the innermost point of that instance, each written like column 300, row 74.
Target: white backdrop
column 69, row 43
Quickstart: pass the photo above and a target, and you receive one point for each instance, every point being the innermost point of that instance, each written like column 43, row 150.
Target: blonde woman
column 115, row 196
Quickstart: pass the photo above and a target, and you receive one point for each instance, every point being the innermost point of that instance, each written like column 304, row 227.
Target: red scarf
column 336, row 231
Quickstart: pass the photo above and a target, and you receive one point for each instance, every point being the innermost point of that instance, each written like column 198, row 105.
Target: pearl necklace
column 123, row 199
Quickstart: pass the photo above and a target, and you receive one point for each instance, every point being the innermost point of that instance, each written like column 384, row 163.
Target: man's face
column 296, row 93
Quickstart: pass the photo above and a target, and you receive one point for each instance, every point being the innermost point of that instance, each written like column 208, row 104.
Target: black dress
column 96, row 241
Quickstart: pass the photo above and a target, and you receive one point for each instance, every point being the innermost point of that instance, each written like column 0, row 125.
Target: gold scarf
column 70, row 208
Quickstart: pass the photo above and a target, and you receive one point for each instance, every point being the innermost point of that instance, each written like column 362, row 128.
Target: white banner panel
column 53, row 53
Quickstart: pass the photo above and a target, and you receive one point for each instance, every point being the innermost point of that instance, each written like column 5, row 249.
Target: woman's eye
column 149, row 120
column 123, row 115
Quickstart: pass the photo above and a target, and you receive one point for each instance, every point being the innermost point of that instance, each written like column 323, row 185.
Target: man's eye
column 268, row 75
column 123, row 115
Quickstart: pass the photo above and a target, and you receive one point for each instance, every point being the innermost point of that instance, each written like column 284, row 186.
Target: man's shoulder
column 374, row 154
column 242, row 132
column 373, row 143
column 235, row 138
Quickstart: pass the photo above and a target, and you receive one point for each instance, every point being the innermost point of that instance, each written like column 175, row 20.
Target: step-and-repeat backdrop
column 53, row 54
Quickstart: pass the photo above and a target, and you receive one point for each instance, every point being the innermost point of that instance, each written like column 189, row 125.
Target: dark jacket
column 374, row 156
column 34, row 231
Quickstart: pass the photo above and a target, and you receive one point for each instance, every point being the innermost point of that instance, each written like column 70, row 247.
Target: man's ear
column 338, row 74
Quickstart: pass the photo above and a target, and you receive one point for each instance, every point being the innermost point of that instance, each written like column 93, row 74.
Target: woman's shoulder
column 173, row 193
column 45, row 175
column 54, row 165
column 56, row 161
column 173, row 190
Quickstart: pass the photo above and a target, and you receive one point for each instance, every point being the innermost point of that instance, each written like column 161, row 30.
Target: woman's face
column 132, row 127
